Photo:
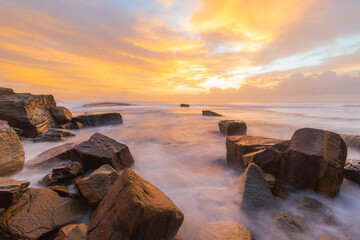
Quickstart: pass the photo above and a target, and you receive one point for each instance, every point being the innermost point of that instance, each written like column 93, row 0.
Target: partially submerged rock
column 63, row 174
column 184, row 105
column 12, row 155
column 94, row 188
column 100, row 150
column 134, row 209
column 11, row 190
column 53, row 135
column 209, row 113
column 352, row 141
column 225, row 230
column 61, row 115
column 352, row 170
column 290, row 223
column 99, row 119
column 232, row 127
column 37, row 213
column 72, row 232
column 316, row 210
column 275, row 187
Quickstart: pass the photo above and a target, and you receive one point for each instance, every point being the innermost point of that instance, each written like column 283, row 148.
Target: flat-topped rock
column 53, row 135
column 6, row 91
column 63, row 174
column 352, row 170
column 72, row 232
column 184, row 105
column 12, row 155
column 232, row 127
column 209, row 113
column 62, row 115
column 99, row 119
column 225, row 230
column 11, row 190
column 134, row 209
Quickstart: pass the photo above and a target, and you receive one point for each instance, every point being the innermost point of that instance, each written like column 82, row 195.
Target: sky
column 182, row 50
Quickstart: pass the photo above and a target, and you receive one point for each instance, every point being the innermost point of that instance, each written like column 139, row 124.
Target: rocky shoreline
column 123, row 205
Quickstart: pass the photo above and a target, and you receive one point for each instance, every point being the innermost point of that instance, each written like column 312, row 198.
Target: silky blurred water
column 182, row 153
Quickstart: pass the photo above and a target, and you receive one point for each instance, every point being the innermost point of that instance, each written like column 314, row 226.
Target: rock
column 275, row 187
column 99, row 119
column 290, row 223
column 325, row 237
column 38, row 212
column 61, row 190
column 209, row 113
column 61, row 115
column 74, row 124
column 316, row 210
column 28, row 112
column 100, row 150
column 252, row 191
column 237, row 146
column 6, row 91
column 95, row 187
column 72, row 232
column 106, row 104
column 184, row 105
column 18, row 131
column 63, row 174
column 11, row 190
column 178, row 237
column 352, row 170
column 55, row 154
column 232, row 127
column 352, row 141
column 53, row 135
column 224, row 231
column 134, row 209
column 316, row 160
column 12, row 155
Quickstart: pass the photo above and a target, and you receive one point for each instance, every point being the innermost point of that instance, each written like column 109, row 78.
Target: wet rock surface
column 62, row 115
column 209, row 113
column 290, row 223
column 316, row 210
column 99, row 119
column 225, row 230
column 232, row 127
column 352, row 170
column 11, row 190
column 184, row 105
column 63, row 174
column 72, row 232
column 53, row 135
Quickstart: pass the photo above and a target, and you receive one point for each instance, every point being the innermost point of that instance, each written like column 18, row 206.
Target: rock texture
column 72, row 232
column 352, row 170
column 61, row 190
column 53, row 135
column 290, row 223
column 100, row 150
column 253, row 192
column 37, row 213
column 63, row 174
column 352, row 141
column 99, row 119
column 316, row 160
column 316, row 210
column 11, row 190
column 232, row 127
column 134, row 209
column 275, row 187
column 209, row 113
column 12, row 155
column 28, row 112
column 94, row 188
column 61, row 115
column 224, row 231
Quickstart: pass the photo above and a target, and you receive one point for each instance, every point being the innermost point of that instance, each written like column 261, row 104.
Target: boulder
column 72, row 232
column 12, row 155
column 6, row 91
column 63, row 174
column 134, row 209
column 290, row 223
column 61, row 115
column 316, row 160
column 53, row 135
column 184, row 105
column 352, row 141
column 37, row 213
column 11, row 190
column 352, row 170
column 225, row 230
column 275, row 187
column 74, row 124
column 61, row 190
column 232, row 127
column 316, row 210
column 252, row 191
column 100, row 150
column 99, row 119
column 28, row 112
column 209, row 113
column 94, row 188
column 237, row 146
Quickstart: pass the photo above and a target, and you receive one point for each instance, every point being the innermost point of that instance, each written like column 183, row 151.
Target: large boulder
column 225, row 230
column 11, row 190
column 53, row 135
column 135, row 209
column 237, row 146
column 72, row 232
column 352, row 170
column 28, row 112
column 63, row 174
column 38, row 213
column 252, row 192
column 209, row 113
column 12, row 155
column 94, row 188
column 316, row 160
column 232, row 127
column 100, row 150
column 61, row 115
column 99, row 119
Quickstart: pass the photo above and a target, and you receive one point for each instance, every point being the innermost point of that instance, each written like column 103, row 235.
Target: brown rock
column 237, row 146
column 316, row 160
column 72, row 232
column 316, row 210
column 184, row 105
column 224, row 231
column 100, row 150
column 74, row 124
column 134, row 209
column 209, row 113
column 95, row 187
column 11, row 190
column 352, row 141
column 290, row 223
column 61, row 115
column 99, row 119
column 53, row 135
column 352, row 170
column 275, row 187
column 325, row 237
column 232, row 127
column 61, row 190
column 12, row 155
column 37, row 213
column 63, row 174
column 6, row 91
